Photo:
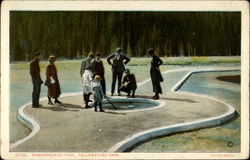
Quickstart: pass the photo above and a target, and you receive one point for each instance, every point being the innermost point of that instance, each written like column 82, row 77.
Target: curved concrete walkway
column 67, row 127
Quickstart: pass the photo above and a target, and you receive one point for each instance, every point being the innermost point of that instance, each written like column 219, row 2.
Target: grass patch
column 141, row 62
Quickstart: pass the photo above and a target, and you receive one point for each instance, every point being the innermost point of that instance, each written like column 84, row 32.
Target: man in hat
column 118, row 62
column 98, row 69
column 129, row 83
column 36, row 79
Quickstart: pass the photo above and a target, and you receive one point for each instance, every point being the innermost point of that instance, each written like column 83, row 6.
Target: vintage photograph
column 93, row 80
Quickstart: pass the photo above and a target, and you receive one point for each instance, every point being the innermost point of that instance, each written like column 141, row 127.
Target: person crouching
column 129, row 83
column 97, row 92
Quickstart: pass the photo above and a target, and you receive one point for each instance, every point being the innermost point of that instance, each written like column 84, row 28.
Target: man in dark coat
column 98, row 69
column 36, row 79
column 118, row 62
column 129, row 83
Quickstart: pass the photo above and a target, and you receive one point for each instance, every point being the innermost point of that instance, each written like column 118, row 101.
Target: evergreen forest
column 73, row 34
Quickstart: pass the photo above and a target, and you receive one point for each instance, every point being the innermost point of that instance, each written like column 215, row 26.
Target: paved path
column 68, row 127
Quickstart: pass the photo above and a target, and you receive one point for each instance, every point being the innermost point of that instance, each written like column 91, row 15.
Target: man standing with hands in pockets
column 118, row 62
column 36, row 79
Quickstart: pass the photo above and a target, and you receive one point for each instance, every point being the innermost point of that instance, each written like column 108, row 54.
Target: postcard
column 124, row 79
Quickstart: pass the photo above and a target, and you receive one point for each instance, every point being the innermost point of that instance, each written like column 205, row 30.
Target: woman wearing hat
column 155, row 73
column 52, row 81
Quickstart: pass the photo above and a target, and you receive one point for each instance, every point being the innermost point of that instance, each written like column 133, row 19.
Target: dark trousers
column 103, row 85
column 86, row 98
column 128, row 89
column 114, row 77
column 36, row 92
column 100, row 105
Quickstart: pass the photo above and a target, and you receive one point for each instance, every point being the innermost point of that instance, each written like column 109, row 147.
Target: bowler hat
column 118, row 50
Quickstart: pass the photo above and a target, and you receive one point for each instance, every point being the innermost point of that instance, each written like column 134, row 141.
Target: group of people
column 51, row 81
column 93, row 80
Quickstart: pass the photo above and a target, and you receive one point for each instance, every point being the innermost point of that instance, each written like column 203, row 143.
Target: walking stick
column 111, row 103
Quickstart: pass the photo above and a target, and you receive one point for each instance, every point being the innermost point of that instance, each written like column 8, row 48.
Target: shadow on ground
column 62, row 107
column 170, row 99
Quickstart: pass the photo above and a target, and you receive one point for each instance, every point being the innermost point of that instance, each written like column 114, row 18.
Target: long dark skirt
column 156, row 80
column 54, row 90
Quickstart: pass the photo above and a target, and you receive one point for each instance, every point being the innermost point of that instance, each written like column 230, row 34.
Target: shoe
column 87, row 107
column 119, row 94
column 95, row 110
column 128, row 95
column 156, row 98
column 133, row 96
column 153, row 97
column 59, row 102
column 112, row 94
column 102, row 110
column 50, row 103
column 36, row 106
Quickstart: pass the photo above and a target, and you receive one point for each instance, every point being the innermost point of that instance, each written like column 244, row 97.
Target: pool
column 129, row 104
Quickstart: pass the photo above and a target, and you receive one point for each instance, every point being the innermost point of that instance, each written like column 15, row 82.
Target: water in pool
column 129, row 105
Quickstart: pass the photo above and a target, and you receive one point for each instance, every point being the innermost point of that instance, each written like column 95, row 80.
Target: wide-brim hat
column 51, row 57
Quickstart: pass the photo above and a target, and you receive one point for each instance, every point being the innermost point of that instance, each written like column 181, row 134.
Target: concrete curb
column 185, row 78
column 156, row 132
column 30, row 122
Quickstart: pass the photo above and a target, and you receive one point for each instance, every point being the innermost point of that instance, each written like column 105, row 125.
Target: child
column 86, row 82
column 98, row 92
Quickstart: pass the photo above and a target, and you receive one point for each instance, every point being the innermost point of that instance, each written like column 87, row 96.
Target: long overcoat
column 155, row 74
column 54, row 89
column 98, row 69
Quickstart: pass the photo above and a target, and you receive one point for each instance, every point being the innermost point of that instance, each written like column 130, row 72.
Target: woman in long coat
column 52, row 81
column 155, row 73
